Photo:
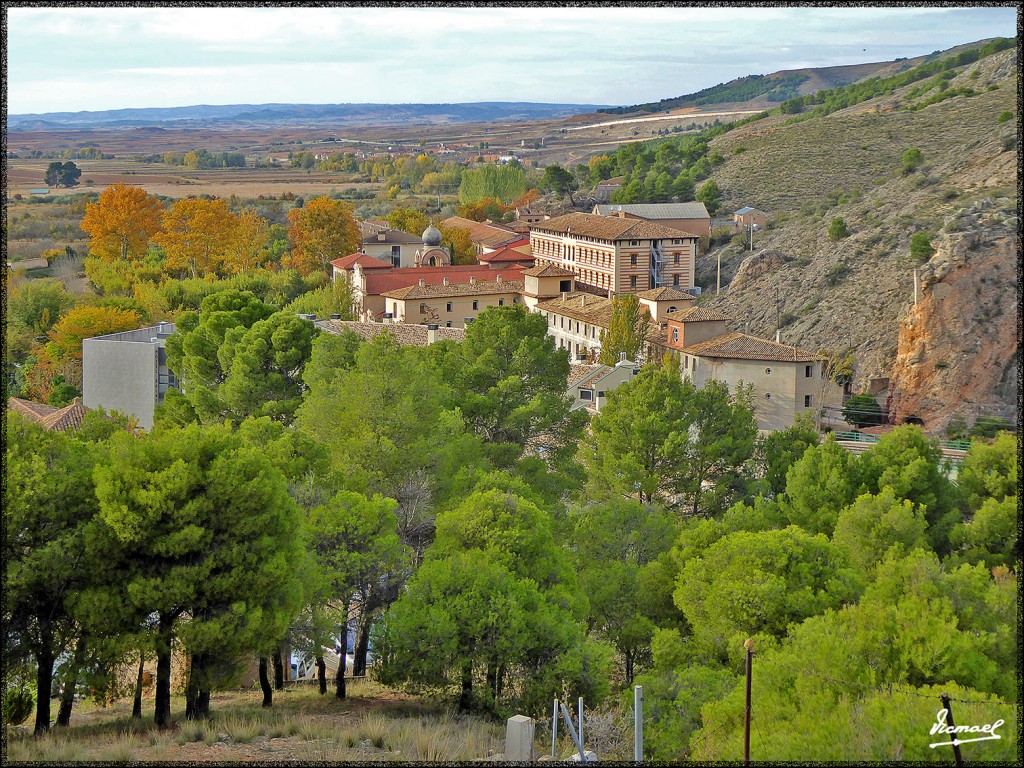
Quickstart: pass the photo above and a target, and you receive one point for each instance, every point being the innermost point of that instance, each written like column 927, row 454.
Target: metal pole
column 638, row 724
column 749, row 645
column 554, row 729
column 580, row 710
column 718, row 288
column 751, row 235
column 949, row 722
column 572, row 731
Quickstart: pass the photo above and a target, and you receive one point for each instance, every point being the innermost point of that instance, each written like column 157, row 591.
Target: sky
column 73, row 58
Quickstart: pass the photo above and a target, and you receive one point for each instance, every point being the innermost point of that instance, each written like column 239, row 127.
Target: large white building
column 128, row 372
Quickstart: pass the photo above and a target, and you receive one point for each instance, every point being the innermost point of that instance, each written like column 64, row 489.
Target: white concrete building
column 128, row 372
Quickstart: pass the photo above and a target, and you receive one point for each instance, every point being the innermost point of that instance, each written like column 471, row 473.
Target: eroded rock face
column 959, row 347
column 755, row 265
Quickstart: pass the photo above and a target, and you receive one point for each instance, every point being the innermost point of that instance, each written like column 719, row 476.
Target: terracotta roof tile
column 695, row 315
column 505, row 253
column 490, row 235
column 440, row 291
column 48, row 416
column 585, row 307
column 406, row 334
column 608, row 228
column 364, row 261
column 379, row 281
column 665, row 293
column 743, row 347
column 548, row 270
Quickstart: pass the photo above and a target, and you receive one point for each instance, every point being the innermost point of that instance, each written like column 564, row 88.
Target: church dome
column 432, row 236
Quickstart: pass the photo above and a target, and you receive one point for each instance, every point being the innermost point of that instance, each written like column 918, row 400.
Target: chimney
column 778, row 336
column 446, row 281
column 163, row 328
column 498, row 279
column 431, row 333
column 423, row 283
column 472, row 279
column 563, row 295
column 381, row 237
column 583, row 300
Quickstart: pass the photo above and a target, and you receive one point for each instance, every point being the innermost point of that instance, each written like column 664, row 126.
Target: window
column 767, row 395
column 448, row 307
column 808, row 371
column 675, row 242
column 675, row 281
column 768, row 371
column 476, row 305
column 586, row 394
column 447, row 323
column 501, row 302
column 600, row 393
column 564, row 286
column 807, row 401
column 632, row 281
column 396, row 261
column 675, row 259
column 634, row 242
column 396, row 250
column 632, row 260
column 675, row 334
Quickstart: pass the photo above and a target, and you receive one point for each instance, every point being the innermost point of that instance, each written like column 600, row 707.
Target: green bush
column 990, row 426
column 956, row 429
column 921, row 247
column 912, row 159
column 835, row 275
column 837, row 230
column 18, row 704
column 863, row 411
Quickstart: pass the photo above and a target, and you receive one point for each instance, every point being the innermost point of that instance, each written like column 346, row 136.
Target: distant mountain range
column 298, row 114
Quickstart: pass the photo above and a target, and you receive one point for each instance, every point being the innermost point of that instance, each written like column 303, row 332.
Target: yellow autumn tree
column 247, row 246
column 322, row 231
column 459, row 242
column 196, row 235
column 122, row 222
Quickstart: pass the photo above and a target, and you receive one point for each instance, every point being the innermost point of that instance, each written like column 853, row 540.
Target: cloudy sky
column 72, row 59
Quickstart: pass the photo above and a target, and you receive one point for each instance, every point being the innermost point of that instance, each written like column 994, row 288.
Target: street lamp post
column 753, row 227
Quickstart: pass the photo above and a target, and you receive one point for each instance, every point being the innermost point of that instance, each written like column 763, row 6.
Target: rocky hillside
column 858, row 291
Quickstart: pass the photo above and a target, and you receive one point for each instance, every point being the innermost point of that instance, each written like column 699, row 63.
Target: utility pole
column 749, row 645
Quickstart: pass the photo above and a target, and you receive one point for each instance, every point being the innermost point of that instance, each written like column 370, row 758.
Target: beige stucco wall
column 436, row 310
column 778, row 395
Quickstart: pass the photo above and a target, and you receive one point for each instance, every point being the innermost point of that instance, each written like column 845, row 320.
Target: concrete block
column 519, row 739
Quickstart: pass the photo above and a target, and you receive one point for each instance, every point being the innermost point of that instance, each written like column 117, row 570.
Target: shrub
column 1005, row 116
column 912, row 159
column 18, row 704
column 837, row 230
column 921, row 247
column 989, row 426
column 956, row 429
column 835, row 275
column 863, row 411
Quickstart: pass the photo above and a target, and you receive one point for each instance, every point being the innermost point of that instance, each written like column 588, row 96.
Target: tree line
column 494, row 548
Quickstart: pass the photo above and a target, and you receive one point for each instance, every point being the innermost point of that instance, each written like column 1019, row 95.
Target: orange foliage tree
column 246, row 249
column 85, row 322
column 122, row 222
column 458, row 242
column 196, row 235
column 321, row 231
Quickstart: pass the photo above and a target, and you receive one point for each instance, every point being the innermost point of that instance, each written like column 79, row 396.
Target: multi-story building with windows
column 610, row 255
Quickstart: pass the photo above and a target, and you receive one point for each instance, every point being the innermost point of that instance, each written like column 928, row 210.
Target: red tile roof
column 505, row 253
column 548, row 270
column 435, row 291
column 379, row 282
column 48, row 416
column 490, row 235
column 608, row 228
column 739, row 346
column 665, row 293
column 695, row 315
column 364, row 261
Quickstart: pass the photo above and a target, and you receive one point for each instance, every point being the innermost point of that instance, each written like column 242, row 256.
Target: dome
column 431, row 235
